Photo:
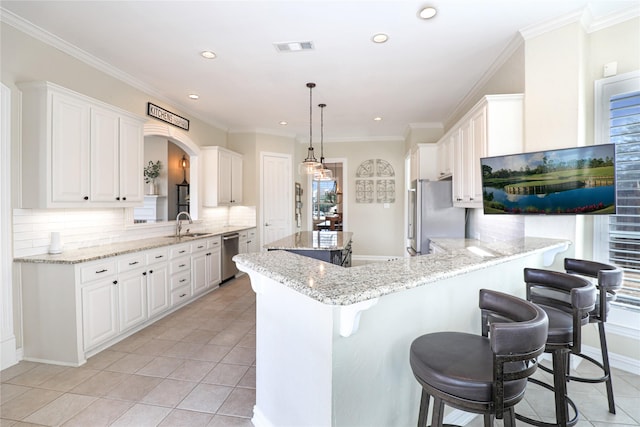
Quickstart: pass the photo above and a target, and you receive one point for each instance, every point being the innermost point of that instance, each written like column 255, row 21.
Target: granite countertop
column 75, row 256
column 335, row 285
column 313, row 240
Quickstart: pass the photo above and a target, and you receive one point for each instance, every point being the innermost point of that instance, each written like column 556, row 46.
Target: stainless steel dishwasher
column 229, row 250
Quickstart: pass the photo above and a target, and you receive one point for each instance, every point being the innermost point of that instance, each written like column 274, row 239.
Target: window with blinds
column 624, row 227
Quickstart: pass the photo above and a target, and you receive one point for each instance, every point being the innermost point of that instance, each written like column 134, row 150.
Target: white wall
column 377, row 230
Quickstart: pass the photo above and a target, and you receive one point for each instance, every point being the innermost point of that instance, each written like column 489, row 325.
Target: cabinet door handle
column 182, row 265
column 183, row 280
column 183, row 295
column 86, row 197
column 159, row 256
column 117, row 198
column 101, row 271
column 209, row 254
column 181, row 252
column 133, row 263
column 150, row 271
column 144, row 273
column 115, row 282
column 124, row 198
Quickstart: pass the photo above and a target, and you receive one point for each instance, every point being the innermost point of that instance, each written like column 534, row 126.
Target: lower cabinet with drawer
column 180, row 270
column 72, row 311
column 205, row 265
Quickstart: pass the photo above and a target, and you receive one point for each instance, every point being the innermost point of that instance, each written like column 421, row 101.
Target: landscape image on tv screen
column 567, row 181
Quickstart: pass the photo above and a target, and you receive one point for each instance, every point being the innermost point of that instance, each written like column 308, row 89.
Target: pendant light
column 310, row 165
column 324, row 173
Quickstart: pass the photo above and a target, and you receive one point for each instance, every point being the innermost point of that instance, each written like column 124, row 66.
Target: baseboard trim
column 617, row 361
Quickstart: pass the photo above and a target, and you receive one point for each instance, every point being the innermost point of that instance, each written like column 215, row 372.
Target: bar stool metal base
column 559, row 388
column 538, row 423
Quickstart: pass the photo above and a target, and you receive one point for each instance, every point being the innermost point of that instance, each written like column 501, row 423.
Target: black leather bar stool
column 485, row 374
column 567, row 300
column 609, row 281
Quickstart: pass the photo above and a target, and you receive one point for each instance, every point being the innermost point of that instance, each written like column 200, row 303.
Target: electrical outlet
column 610, row 69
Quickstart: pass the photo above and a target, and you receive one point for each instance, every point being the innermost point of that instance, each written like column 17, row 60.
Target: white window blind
column 624, row 227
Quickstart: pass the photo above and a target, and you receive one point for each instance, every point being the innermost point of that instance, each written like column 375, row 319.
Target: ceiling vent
column 293, row 46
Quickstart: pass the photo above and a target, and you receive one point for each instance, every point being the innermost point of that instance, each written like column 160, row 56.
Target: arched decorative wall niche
column 192, row 149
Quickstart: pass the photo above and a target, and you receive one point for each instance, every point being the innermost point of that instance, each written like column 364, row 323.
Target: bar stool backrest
column 609, row 281
column 541, row 286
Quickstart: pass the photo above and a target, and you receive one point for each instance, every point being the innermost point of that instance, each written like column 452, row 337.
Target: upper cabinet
column 424, row 162
column 494, row 126
column 223, row 176
column 77, row 151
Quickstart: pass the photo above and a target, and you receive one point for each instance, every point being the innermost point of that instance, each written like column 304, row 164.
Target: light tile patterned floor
column 196, row 367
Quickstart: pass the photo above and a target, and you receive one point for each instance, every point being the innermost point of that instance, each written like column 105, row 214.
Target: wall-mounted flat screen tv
column 577, row 180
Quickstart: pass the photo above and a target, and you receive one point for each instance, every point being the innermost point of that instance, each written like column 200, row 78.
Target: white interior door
column 276, row 195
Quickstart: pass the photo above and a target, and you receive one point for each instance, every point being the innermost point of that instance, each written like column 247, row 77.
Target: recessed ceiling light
column 377, row 119
column 208, row 54
column 380, row 38
column 283, row 123
column 427, row 12
column 194, row 96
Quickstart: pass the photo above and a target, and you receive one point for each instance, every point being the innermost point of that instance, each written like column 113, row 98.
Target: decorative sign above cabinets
column 167, row 116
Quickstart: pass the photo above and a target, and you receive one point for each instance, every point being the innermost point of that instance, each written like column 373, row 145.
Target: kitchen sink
column 190, row 235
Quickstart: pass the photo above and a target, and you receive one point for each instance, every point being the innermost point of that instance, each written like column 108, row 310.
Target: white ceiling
column 419, row 76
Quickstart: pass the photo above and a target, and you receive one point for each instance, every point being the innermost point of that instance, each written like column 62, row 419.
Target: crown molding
column 514, row 44
column 263, row 131
column 615, row 18
column 586, row 19
column 52, row 40
column 339, row 140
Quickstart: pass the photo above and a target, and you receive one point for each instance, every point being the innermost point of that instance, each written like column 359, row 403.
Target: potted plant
column 151, row 172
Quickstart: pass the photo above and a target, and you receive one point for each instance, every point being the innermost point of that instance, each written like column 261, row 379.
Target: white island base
column 316, row 366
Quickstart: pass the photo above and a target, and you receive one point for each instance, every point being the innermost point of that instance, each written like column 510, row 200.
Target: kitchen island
column 328, row 246
column 332, row 343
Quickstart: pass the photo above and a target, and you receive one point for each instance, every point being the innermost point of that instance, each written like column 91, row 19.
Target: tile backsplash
column 494, row 228
column 80, row 228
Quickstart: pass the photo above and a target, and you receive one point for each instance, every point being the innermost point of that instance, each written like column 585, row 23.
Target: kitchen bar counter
column 313, row 241
column 75, row 256
column 332, row 343
column 328, row 246
column 333, row 285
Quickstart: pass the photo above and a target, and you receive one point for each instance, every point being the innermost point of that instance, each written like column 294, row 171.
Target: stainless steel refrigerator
column 431, row 214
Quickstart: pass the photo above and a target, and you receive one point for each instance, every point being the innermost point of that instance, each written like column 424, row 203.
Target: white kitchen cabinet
column 223, row 179
column 446, row 156
column 214, row 262
column 117, row 145
column 157, row 288
column 72, row 311
column 69, row 133
column 248, row 241
column 243, row 239
column 124, row 280
column 99, row 312
column 181, row 272
column 132, row 298
column 494, row 126
column 424, row 159
column 205, row 264
column 77, row 151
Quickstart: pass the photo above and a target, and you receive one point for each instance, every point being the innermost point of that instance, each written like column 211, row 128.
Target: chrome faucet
column 179, row 222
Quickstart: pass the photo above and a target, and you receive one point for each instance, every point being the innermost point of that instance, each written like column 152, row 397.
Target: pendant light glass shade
column 323, row 173
column 310, row 165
